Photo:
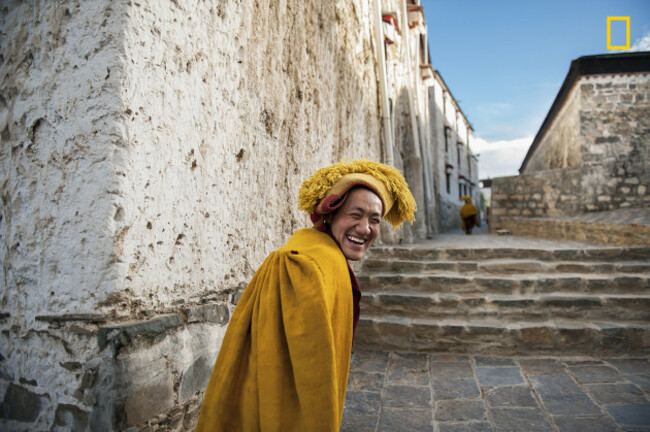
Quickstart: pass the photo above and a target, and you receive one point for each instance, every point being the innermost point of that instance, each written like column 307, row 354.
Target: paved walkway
column 391, row 391
column 483, row 239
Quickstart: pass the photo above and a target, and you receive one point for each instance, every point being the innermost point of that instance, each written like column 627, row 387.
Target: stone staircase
column 506, row 300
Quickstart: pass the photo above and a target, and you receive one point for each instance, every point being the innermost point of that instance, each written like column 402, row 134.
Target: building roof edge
column 438, row 75
column 601, row 64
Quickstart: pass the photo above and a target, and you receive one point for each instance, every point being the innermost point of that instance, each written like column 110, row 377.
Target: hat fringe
column 314, row 189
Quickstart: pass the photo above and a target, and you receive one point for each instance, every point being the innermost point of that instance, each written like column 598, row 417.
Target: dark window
column 447, row 132
column 448, row 183
column 423, row 50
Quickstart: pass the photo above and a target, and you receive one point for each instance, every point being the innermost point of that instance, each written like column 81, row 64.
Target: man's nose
column 364, row 226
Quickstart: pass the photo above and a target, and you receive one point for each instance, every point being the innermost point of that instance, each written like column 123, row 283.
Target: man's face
column 355, row 224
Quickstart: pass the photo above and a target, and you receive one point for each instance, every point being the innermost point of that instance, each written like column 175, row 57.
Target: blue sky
column 505, row 61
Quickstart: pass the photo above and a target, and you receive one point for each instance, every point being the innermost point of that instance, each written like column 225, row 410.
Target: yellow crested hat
column 326, row 190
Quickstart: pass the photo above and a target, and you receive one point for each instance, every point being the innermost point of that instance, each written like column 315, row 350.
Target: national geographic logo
column 617, row 33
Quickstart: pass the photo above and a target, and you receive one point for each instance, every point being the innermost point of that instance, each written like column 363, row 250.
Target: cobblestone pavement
column 392, row 391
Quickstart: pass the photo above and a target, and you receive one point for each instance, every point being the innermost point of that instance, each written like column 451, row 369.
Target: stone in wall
column 21, row 404
column 70, row 417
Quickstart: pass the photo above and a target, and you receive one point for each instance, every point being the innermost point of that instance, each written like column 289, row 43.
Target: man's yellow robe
column 284, row 361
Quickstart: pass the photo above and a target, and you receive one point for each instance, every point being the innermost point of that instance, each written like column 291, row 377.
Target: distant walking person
column 284, row 361
column 469, row 215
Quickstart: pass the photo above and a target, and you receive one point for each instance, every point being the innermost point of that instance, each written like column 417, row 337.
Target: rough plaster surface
column 224, row 123
column 128, row 151
column 61, row 135
column 61, row 143
column 61, row 66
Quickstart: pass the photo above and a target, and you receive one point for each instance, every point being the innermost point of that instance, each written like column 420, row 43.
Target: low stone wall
column 551, row 204
column 552, row 193
column 602, row 233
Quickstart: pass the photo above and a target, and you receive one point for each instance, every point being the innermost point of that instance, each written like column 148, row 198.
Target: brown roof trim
column 601, row 64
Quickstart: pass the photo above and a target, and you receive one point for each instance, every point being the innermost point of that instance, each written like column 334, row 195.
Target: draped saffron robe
column 284, row 361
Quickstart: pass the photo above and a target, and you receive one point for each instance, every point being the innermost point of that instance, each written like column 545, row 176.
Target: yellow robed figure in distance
column 469, row 215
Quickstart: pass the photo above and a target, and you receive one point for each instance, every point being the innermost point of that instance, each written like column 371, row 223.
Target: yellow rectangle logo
column 627, row 32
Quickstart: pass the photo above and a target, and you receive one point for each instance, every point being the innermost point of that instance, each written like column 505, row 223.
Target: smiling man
column 356, row 224
column 284, row 362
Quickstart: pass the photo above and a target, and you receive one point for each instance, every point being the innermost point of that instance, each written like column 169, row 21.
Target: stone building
column 587, row 173
column 456, row 166
column 151, row 157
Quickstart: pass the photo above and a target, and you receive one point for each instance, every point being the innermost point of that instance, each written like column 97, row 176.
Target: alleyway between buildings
column 502, row 333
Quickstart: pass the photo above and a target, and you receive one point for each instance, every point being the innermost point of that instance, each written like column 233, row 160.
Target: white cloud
column 642, row 44
column 500, row 158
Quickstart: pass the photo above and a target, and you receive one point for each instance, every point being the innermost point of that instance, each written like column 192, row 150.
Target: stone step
column 415, row 252
column 531, row 308
column 507, row 266
column 482, row 284
column 499, row 337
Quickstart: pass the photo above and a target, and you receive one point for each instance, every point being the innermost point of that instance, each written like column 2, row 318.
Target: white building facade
column 456, row 166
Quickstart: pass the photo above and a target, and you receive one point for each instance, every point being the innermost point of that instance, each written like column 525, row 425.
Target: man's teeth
column 356, row 240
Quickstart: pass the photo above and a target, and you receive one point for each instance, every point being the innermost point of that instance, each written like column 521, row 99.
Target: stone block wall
column 552, row 193
column 615, row 141
column 151, row 156
column 612, row 234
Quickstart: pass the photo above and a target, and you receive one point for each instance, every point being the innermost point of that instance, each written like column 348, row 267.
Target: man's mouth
column 356, row 240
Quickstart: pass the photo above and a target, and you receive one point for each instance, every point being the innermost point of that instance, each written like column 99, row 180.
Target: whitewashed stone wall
column 230, row 108
column 61, row 150
column 151, row 156
column 410, row 113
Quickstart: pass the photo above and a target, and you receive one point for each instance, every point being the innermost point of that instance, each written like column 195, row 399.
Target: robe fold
column 284, row 361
